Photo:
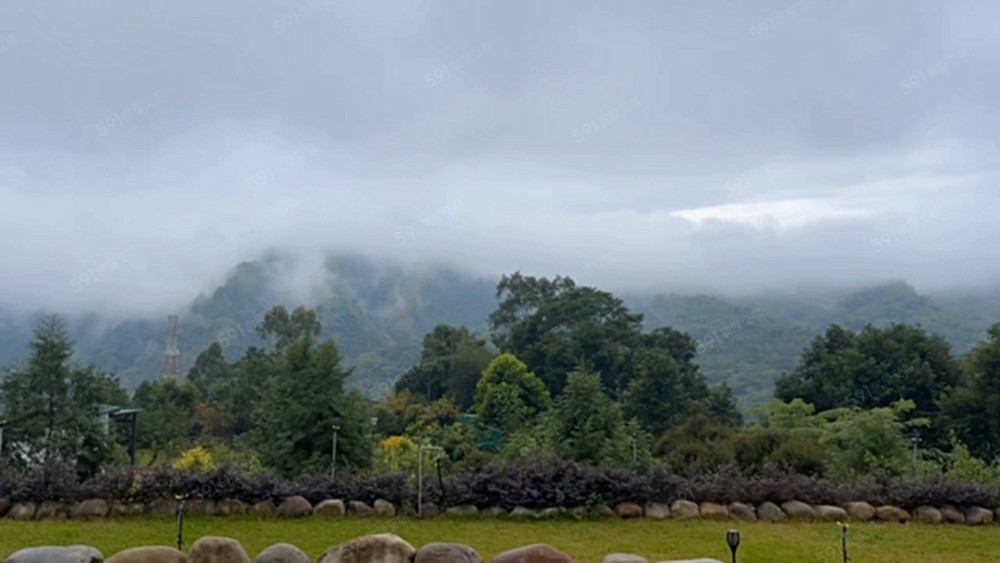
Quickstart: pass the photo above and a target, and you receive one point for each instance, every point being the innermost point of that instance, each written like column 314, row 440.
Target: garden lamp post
column 733, row 539
column 843, row 541
column 333, row 453
column 3, row 422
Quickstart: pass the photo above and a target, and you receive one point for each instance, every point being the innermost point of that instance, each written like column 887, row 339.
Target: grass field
column 586, row 541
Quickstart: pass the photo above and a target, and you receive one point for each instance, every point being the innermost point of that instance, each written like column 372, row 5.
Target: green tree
column 874, row 369
column 284, row 329
column 298, row 406
column 210, row 367
column 586, row 425
column 555, row 326
column 166, row 417
column 973, row 410
column 54, row 407
column 510, row 396
column 452, row 361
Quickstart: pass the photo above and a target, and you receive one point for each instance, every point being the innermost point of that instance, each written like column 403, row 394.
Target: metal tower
column 172, row 355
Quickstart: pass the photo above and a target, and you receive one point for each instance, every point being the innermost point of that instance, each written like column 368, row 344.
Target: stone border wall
column 297, row 507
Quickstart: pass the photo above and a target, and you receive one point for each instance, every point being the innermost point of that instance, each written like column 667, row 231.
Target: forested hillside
column 378, row 314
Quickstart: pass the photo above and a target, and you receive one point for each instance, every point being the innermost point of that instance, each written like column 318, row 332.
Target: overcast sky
column 677, row 146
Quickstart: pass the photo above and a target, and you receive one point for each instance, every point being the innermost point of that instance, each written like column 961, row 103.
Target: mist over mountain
column 378, row 312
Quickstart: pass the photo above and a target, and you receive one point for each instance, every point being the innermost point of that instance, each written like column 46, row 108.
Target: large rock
column 216, row 549
column 384, row 508
column 495, row 512
column 741, row 511
column 891, row 514
column 163, row 507
column 200, row 507
column 23, row 511
column 798, row 510
column 378, row 548
column 551, row 512
column 447, row 553
column 536, row 553
column 952, row 514
column 657, row 511
column 262, row 508
column 52, row 510
column 770, row 512
column 692, row 560
column 295, row 507
column 684, row 509
column 523, row 512
column 282, row 553
column 861, row 511
column 977, row 516
column 149, row 554
column 332, row 508
column 90, row 509
column 430, row 510
column 713, row 511
column 57, row 554
column 461, row 511
column 624, row 558
column 628, row 510
column 831, row 513
column 127, row 509
column 230, row 507
column 927, row 515
column 360, row 509
column 5, row 505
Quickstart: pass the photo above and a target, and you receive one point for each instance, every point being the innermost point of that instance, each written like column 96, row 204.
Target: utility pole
column 420, row 475
column 333, row 452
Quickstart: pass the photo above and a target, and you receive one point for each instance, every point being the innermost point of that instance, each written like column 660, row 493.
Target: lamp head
column 733, row 539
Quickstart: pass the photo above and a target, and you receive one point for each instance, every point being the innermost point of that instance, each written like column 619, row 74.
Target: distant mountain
column 378, row 314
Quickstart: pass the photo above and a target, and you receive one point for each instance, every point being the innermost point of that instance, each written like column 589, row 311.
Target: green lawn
column 587, row 541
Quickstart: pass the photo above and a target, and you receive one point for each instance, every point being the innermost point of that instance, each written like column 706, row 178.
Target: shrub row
column 536, row 483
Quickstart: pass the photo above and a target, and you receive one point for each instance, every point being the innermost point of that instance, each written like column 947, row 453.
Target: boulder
column 262, row 508
column 200, row 507
column 447, row 553
column 578, row 512
column 977, row 516
column 57, row 554
column 741, row 511
column 295, row 507
column 770, row 512
column 52, row 510
column 333, row 508
column 714, row 511
column 657, row 511
column 703, row 560
column 624, row 558
column 861, row 511
column 462, row 510
column 149, row 554
column 551, row 512
column 282, row 553
column 360, row 509
column 127, row 509
column 5, row 505
column 628, row 510
column 684, row 509
column 888, row 513
column 536, row 553
column 23, row 511
column 952, row 514
column 163, row 507
column 831, row 513
column 230, row 507
column 522, row 512
column 380, row 548
column 798, row 510
column 928, row 515
column 495, row 512
column 90, row 509
column 430, row 510
column 216, row 549
column 384, row 508
column 602, row 511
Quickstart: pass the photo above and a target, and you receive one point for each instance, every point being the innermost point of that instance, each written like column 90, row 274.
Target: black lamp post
column 733, row 539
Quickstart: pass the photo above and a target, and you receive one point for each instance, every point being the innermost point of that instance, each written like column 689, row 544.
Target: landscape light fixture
column 180, row 521
column 333, row 453
column 843, row 540
column 733, row 539
column 3, row 422
column 133, row 415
